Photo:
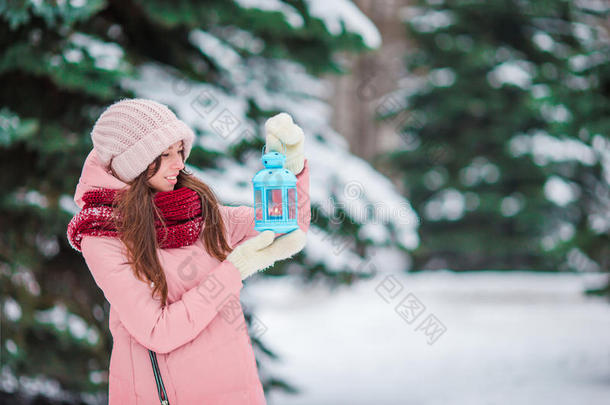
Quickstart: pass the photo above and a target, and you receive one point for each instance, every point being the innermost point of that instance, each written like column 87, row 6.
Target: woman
column 171, row 260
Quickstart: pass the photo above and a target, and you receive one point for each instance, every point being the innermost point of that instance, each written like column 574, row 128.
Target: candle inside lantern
column 274, row 204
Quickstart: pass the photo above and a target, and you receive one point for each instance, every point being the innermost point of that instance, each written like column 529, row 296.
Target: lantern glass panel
column 274, row 203
column 258, row 205
column 291, row 203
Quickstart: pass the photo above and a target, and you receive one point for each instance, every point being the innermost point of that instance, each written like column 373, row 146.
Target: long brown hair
column 137, row 229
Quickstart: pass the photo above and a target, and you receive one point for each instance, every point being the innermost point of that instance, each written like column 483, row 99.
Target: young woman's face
column 171, row 164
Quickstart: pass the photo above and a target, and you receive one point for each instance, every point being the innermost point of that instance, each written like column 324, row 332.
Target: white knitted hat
column 132, row 133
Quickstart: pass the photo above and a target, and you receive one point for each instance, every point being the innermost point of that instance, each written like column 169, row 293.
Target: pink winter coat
column 203, row 348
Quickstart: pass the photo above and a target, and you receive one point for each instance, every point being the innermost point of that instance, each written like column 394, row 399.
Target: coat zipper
column 158, row 379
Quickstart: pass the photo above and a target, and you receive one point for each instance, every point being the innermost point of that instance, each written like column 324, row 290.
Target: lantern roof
column 273, row 160
column 275, row 177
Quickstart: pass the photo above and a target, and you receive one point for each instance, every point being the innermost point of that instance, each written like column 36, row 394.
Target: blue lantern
column 275, row 195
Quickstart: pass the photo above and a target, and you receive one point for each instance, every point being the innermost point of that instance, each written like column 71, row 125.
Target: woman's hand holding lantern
column 281, row 129
column 263, row 250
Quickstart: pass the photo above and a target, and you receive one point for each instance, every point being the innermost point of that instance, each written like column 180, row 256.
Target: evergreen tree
column 61, row 64
column 506, row 155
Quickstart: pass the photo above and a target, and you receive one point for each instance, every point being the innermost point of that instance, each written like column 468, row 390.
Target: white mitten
column 280, row 127
column 262, row 251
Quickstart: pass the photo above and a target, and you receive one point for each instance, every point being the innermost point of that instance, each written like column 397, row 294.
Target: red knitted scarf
column 180, row 209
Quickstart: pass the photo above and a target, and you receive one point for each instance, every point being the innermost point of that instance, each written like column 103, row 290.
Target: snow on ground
column 500, row 338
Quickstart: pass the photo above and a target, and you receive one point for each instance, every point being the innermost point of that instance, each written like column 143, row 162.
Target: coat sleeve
column 240, row 220
column 161, row 329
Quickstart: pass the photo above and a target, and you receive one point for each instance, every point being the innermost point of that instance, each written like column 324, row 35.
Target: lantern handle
column 283, row 148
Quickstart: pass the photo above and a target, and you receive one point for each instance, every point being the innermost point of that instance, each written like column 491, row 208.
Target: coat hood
column 95, row 175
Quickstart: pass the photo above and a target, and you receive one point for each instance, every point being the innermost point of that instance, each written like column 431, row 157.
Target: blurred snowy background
column 439, row 338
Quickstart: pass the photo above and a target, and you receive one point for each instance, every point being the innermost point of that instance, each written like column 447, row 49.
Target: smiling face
column 172, row 161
